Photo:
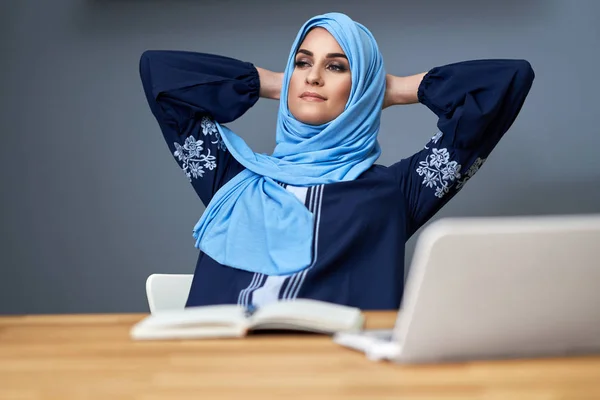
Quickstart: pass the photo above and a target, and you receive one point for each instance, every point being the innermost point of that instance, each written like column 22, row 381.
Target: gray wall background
column 92, row 202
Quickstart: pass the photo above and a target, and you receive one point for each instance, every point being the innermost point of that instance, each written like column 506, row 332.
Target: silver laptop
column 498, row 287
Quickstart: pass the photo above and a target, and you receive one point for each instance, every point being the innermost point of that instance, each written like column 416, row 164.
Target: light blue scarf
column 254, row 224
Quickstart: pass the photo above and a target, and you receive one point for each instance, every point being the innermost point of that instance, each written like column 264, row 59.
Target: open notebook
column 221, row 321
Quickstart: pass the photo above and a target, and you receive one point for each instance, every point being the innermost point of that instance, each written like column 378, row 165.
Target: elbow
column 145, row 63
column 147, row 60
column 524, row 73
column 149, row 55
column 519, row 80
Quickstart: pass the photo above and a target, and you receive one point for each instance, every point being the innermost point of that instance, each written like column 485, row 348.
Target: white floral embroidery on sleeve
column 190, row 154
column 435, row 138
column 210, row 128
column 438, row 171
column 470, row 172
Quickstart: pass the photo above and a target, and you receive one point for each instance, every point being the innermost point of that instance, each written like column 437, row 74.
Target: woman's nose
column 313, row 77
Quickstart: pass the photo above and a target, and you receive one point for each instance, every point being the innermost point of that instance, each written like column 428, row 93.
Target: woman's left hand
column 401, row 89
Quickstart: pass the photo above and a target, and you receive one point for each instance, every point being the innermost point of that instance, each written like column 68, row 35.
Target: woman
column 318, row 218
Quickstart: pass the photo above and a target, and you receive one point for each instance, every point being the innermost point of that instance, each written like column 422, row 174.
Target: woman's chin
column 314, row 119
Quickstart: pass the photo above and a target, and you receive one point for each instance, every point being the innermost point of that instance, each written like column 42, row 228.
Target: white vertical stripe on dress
column 269, row 292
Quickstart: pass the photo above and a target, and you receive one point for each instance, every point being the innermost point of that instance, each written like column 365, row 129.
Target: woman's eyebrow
column 329, row 55
column 336, row 55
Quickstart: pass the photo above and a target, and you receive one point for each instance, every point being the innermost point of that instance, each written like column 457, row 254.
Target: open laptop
column 498, row 287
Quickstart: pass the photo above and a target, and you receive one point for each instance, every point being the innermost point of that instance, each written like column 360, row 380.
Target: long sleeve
column 187, row 92
column 476, row 102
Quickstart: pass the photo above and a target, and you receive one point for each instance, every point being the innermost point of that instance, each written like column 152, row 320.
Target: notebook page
column 218, row 315
column 308, row 314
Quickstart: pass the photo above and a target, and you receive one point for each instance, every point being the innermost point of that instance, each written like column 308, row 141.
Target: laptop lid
column 502, row 287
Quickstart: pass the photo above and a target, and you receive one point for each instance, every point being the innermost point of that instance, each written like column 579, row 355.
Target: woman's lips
column 311, row 96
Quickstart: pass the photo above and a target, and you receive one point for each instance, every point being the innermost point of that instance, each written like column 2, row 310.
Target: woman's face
column 321, row 81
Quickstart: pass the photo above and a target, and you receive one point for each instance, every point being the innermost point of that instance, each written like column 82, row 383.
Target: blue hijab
column 254, row 224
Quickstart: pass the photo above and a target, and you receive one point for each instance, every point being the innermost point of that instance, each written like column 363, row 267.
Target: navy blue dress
column 361, row 226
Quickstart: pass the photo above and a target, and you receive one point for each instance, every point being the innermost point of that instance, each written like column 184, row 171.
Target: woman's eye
column 301, row 63
column 337, row 67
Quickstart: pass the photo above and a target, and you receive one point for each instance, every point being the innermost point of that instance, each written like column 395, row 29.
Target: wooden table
column 91, row 357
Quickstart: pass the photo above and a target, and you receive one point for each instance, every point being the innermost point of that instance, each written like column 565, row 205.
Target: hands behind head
column 399, row 89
